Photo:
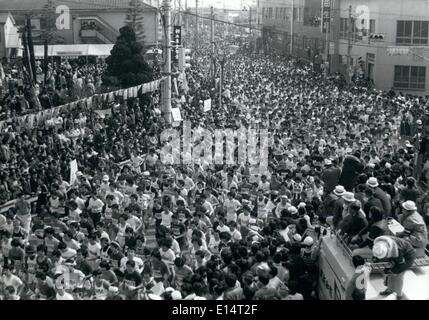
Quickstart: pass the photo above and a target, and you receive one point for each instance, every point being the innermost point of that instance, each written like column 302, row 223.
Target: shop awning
column 74, row 50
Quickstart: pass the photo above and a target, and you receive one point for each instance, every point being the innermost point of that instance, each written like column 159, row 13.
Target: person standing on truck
column 415, row 228
column 401, row 254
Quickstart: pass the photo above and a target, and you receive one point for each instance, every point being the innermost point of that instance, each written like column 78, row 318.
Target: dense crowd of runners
column 131, row 227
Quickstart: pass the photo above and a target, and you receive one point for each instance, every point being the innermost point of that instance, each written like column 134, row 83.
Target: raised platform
column 336, row 270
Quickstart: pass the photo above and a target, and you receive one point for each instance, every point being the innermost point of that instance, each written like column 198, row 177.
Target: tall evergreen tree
column 126, row 64
column 134, row 19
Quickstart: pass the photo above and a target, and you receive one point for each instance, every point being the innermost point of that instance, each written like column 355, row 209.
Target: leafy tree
column 134, row 19
column 126, row 62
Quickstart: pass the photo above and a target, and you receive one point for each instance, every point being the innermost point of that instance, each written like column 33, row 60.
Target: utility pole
column 179, row 14
column 349, row 45
column 196, row 24
column 328, row 38
column 291, row 27
column 222, row 66
column 212, row 43
column 186, row 22
column 166, row 105
column 250, row 19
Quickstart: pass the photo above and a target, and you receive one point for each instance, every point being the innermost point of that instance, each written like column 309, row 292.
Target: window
column 410, row 77
column 412, row 32
column 371, row 26
column 270, row 13
column 420, row 32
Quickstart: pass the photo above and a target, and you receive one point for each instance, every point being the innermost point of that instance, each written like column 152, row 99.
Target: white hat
column 372, row 182
column 380, row 250
column 308, row 241
column 409, row 205
column 106, row 178
column 113, row 289
column 284, row 197
column 388, row 165
column 297, row 237
column 146, row 173
column 339, row 190
column 328, row 162
column 419, row 121
column 371, row 165
column 349, row 197
column 176, row 295
column 301, row 205
column 293, row 210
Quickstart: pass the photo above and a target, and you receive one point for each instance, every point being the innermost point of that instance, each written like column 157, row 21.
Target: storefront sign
column 326, row 16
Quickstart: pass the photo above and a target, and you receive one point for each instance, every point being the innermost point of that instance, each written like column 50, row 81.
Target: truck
column 336, row 270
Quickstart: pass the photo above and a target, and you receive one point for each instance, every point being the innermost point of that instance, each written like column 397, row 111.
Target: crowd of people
column 65, row 82
column 129, row 226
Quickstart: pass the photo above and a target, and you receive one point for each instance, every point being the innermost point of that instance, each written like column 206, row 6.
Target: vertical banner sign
column 73, row 171
column 177, row 39
column 326, row 16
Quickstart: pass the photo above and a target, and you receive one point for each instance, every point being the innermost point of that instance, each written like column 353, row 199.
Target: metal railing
column 378, row 267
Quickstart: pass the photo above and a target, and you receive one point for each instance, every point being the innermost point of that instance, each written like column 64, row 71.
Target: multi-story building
column 276, row 20
column 392, row 48
column 92, row 21
column 387, row 41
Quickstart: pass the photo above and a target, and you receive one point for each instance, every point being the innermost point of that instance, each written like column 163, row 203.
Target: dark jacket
column 385, row 200
column 352, row 167
column 372, row 202
column 331, row 177
column 407, row 255
column 353, row 224
column 338, row 211
column 410, row 194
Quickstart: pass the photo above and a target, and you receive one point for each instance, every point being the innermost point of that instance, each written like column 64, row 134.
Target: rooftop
column 4, row 16
column 30, row 5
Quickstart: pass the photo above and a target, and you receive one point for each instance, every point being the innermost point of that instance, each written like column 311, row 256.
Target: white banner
column 207, row 105
column 73, row 171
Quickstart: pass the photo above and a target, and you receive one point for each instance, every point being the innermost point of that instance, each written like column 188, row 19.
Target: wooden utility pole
column 196, row 24
column 291, row 27
column 212, row 44
column 166, row 99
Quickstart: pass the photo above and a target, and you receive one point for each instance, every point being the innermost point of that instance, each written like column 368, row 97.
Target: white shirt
column 231, row 209
column 166, row 219
column 13, row 281
column 139, row 263
column 65, row 296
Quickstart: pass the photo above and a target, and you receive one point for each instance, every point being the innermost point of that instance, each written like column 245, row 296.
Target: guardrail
column 378, row 267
